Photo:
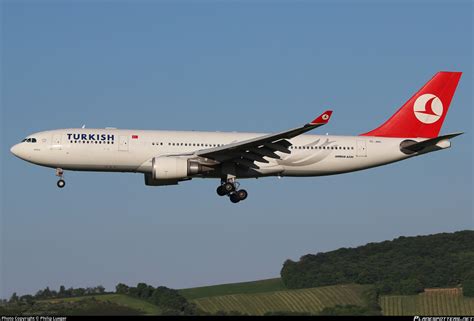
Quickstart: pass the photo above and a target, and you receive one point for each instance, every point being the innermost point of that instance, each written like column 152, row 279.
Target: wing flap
column 254, row 157
column 263, row 151
column 277, row 147
column 246, row 163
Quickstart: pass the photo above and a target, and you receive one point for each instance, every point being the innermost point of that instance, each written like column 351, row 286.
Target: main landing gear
column 230, row 187
column 60, row 173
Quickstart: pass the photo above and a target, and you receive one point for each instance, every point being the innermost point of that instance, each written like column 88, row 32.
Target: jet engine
column 174, row 168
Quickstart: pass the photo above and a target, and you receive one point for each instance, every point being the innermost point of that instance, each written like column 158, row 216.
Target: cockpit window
column 29, row 140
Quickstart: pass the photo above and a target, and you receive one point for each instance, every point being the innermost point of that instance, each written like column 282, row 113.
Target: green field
column 304, row 300
column 120, row 299
column 268, row 285
column 427, row 304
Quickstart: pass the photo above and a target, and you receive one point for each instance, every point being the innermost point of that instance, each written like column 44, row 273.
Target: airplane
column 169, row 157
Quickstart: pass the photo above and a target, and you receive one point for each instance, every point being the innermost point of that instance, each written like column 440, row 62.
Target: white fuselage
column 120, row 150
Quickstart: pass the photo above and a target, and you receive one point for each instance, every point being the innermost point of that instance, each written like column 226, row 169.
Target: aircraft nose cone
column 19, row 151
column 14, row 150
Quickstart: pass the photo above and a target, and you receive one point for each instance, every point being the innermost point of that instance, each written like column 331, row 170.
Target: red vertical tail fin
column 423, row 114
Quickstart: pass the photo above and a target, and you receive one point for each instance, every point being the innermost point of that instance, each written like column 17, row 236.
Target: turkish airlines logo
column 428, row 108
column 325, row 117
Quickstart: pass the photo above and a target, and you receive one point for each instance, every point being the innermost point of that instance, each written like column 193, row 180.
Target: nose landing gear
column 61, row 182
column 230, row 187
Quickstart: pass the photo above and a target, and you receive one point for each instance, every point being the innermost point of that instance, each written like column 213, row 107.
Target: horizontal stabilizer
column 410, row 146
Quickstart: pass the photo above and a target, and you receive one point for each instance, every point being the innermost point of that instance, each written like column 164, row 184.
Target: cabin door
column 361, row 148
column 123, row 143
column 56, row 142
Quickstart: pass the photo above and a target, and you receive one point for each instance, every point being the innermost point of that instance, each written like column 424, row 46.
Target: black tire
column 221, row 191
column 242, row 194
column 234, row 198
column 229, row 187
column 61, row 183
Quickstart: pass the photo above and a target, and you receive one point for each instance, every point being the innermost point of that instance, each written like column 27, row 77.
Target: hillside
column 405, row 265
column 233, row 288
column 310, row 301
column 119, row 299
column 253, row 302
column 111, row 304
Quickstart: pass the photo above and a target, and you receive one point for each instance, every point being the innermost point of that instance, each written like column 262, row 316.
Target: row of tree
column 406, row 265
column 47, row 293
column 169, row 300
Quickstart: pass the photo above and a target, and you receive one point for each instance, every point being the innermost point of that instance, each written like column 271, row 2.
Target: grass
column 233, row 288
column 120, row 299
column 427, row 304
column 304, row 300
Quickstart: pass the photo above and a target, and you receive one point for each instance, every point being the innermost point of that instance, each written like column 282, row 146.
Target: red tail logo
column 423, row 114
column 428, row 108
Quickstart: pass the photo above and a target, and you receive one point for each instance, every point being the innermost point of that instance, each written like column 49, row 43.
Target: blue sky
column 214, row 65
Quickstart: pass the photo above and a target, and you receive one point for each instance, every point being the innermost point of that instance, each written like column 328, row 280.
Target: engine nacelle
column 174, row 168
column 149, row 181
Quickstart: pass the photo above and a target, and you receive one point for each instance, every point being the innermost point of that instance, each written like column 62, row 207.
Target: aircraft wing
column 245, row 153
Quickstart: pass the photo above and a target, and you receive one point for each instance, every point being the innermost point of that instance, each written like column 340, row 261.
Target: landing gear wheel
column 60, row 173
column 221, row 191
column 61, row 183
column 234, row 198
column 242, row 194
column 228, row 187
